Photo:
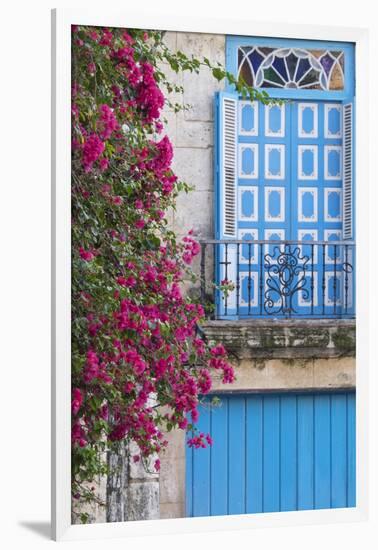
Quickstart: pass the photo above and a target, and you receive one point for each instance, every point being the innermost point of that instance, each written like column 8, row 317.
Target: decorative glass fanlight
column 264, row 67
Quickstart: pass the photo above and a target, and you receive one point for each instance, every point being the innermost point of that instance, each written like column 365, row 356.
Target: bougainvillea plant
column 134, row 333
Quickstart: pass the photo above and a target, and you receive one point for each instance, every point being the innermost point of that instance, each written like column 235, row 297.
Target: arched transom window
column 311, row 69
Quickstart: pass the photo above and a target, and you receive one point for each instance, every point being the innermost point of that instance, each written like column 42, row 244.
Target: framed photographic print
column 210, row 224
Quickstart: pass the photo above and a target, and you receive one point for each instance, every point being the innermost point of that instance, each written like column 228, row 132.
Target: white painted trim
column 301, row 132
column 267, row 237
column 327, row 232
column 61, row 275
column 301, row 192
column 328, row 107
column 224, row 178
column 314, row 233
column 254, row 295
column 329, row 275
column 255, row 106
column 307, row 303
column 268, row 148
column 327, row 192
column 301, row 150
column 328, row 149
column 281, row 216
column 268, row 132
column 255, row 148
column 254, row 248
column 138, row 17
column 255, row 192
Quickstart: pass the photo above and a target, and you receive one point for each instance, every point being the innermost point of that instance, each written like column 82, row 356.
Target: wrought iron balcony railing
column 278, row 279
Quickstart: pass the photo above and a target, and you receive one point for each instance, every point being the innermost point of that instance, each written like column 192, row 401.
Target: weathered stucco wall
column 191, row 132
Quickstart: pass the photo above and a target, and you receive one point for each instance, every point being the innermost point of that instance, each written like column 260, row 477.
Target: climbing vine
column 138, row 364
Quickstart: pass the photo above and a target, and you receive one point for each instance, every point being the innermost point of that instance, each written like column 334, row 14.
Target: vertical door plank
column 339, row 450
column 254, row 470
column 288, row 453
column 236, row 455
column 305, row 452
column 219, row 459
column 271, row 445
column 322, row 451
column 351, row 404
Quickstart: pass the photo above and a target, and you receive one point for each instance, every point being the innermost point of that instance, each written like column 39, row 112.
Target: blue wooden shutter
column 226, row 157
column 226, row 196
column 348, row 170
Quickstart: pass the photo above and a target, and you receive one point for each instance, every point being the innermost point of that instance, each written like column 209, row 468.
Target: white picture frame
column 62, row 529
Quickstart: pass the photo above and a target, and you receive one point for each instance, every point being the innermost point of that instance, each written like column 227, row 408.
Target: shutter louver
column 348, row 171
column 228, row 165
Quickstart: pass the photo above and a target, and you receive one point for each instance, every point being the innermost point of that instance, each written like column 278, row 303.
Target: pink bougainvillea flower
column 78, row 434
column 117, row 200
column 182, row 424
column 140, row 223
column 91, row 68
column 209, row 439
column 92, row 150
column 106, row 38
column 77, row 400
column 103, row 164
column 126, row 281
column 107, row 123
column 192, row 249
column 86, row 255
column 218, row 350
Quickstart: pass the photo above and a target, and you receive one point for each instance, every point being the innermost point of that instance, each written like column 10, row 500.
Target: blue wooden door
column 288, row 187
column 264, row 198
column 274, row 452
column 316, row 138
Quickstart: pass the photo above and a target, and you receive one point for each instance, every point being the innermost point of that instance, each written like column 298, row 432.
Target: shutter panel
column 226, row 196
column 348, row 171
column 227, row 163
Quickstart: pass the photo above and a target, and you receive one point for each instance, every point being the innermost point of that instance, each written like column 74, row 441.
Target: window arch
column 293, row 68
column 282, row 67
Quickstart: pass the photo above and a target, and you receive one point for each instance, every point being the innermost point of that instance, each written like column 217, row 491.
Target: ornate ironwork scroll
column 285, row 278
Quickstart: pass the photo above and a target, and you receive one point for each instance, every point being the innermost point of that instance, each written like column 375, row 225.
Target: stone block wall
column 192, row 132
column 132, row 487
